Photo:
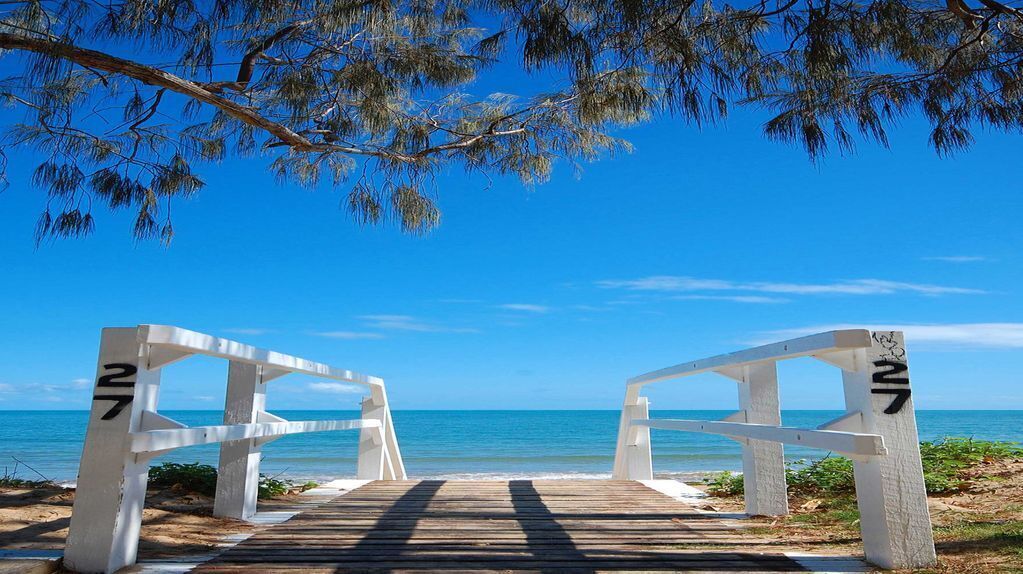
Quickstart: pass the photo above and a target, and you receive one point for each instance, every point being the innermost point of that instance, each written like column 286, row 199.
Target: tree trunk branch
column 155, row 77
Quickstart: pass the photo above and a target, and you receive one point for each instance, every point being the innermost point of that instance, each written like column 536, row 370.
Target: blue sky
column 699, row 242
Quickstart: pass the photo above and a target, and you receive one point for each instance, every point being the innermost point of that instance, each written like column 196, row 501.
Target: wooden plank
column 566, row 526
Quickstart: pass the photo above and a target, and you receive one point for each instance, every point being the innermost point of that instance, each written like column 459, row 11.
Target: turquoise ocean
column 465, row 444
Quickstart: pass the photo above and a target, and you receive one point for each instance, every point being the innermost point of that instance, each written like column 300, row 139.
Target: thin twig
column 32, row 469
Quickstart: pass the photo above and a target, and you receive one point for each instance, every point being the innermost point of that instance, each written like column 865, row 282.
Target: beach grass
column 944, row 462
column 975, row 497
column 202, row 479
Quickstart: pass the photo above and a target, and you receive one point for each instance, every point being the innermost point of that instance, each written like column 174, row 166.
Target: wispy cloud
column 81, row 383
column 335, row 388
column 759, row 299
column 958, row 258
column 409, row 323
column 967, row 335
column 72, row 392
column 673, row 283
column 247, row 331
column 667, row 283
column 591, row 308
column 525, row 307
column 351, row 335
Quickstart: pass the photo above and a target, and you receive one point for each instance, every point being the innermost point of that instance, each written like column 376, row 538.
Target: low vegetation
column 191, row 477
column 10, row 478
column 975, row 499
column 944, row 462
column 202, row 479
column 9, row 481
column 270, row 486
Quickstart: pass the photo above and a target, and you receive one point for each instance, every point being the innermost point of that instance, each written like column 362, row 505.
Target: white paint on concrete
column 126, row 430
column 339, row 486
column 878, row 432
column 677, row 490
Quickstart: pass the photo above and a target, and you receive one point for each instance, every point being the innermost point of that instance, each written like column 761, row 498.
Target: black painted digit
column 901, row 396
column 122, row 401
column 896, row 367
column 124, row 371
column 127, row 370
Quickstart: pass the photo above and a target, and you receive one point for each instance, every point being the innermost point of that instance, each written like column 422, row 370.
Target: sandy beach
column 978, row 529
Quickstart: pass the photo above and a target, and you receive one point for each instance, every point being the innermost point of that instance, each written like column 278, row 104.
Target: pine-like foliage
column 127, row 101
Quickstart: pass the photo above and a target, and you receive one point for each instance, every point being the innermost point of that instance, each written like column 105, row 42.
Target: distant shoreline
column 500, row 445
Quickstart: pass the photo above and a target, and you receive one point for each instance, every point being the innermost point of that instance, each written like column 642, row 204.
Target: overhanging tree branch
column 394, row 82
column 156, row 77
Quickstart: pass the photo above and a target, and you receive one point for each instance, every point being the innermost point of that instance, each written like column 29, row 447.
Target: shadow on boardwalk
column 521, row 525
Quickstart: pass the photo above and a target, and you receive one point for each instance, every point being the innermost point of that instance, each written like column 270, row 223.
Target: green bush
column 193, row 477
column 943, row 463
column 831, row 475
column 270, row 486
column 945, row 460
column 724, row 484
column 202, row 479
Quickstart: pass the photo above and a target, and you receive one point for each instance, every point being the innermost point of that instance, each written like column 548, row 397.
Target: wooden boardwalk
column 519, row 525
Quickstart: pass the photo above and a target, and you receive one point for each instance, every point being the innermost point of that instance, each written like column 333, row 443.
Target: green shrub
column 270, row 486
column 944, row 460
column 830, row 475
column 943, row 463
column 193, row 477
column 202, row 479
column 724, row 484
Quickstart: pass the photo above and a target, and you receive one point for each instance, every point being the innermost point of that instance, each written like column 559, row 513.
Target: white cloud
column 733, row 298
column 247, row 331
column 972, row 335
column 670, row 283
column 349, row 335
column 958, row 258
column 44, row 392
column 590, row 308
column 526, row 307
column 335, row 388
column 82, row 383
column 409, row 323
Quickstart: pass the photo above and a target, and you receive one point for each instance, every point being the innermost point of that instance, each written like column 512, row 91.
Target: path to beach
column 501, row 525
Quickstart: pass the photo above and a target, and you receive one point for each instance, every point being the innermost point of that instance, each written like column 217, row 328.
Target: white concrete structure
column 126, row 430
column 878, row 432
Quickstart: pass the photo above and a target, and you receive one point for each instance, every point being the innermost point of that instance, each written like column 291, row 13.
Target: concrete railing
column 878, row 432
column 126, row 430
